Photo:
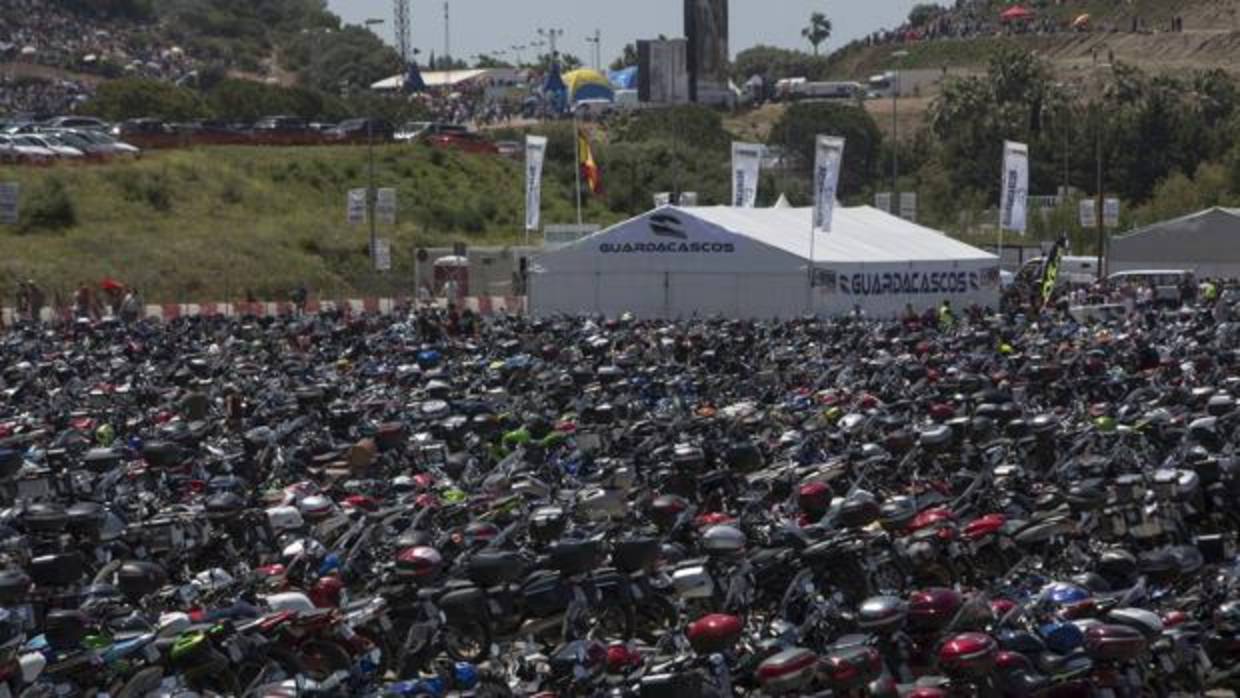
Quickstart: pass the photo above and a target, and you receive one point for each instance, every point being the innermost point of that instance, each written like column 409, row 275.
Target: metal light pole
column 597, row 41
column 551, row 35
column 1102, row 240
column 371, row 193
column 895, row 132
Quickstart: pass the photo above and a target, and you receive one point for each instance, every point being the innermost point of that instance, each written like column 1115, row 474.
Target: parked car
column 415, row 130
column 282, row 125
column 97, row 144
column 78, row 122
column 22, row 152
column 510, row 149
column 50, row 142
column 361, row 130
column 144, row 127
column 465, row 142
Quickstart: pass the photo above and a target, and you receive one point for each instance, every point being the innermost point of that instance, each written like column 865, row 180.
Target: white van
column 1073, row 271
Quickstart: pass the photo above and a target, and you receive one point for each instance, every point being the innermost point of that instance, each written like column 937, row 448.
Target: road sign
column 10, row 193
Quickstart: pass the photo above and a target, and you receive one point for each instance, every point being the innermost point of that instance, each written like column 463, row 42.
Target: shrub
column 49, row 207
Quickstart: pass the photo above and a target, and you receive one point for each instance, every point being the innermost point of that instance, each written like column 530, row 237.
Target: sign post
column 908, row 206
column 1089, row 213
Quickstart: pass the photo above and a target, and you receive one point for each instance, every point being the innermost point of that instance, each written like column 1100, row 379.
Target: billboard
column 663, row 71
column 706, row 26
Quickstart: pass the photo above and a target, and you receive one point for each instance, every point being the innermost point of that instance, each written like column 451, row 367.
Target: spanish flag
column 589, row 168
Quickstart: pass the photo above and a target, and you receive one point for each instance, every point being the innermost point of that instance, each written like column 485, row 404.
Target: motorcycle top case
column 494, row 569
column 1114, row 643
column 545, row 594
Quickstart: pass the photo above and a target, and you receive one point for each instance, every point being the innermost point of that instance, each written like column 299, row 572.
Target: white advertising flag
column 746, row 167
column 357, row 206
column 1089, row 213
column 1014, row 205
column 535, row 154
column 385, row 207
column 828, row 156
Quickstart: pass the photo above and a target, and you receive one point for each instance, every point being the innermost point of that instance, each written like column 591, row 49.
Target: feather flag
column 589, row 168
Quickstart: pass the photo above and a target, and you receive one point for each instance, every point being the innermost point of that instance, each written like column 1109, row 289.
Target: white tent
column 754, row 263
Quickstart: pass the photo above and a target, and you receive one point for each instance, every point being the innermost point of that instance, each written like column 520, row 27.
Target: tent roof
column 859, row 234
column 1190, row 223
column 446, row 78
column 577, row 80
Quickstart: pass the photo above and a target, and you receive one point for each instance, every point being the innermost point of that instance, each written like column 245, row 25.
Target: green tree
column 335, row 61
column 627, row 58
column 774, row 63
column 485, row 62
column 800, row 124
column 132, row 98
column 922, row 13
column 818, row 31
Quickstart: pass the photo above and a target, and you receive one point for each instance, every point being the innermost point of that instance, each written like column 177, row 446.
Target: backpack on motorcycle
column 14, row 587
column 57, row 570
column 545, row 594
column 63, row 629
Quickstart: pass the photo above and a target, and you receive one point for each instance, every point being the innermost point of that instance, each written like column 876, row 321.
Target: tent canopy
column 1206, row 242
column 585, row 83
column 1016, row 13
column 623, row 79
column 678, row 261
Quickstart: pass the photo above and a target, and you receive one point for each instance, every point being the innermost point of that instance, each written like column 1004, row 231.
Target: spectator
column 131, row 307
column 35, row 301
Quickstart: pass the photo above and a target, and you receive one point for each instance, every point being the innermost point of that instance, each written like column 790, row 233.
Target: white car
column 96, row 143
column 10, row 146
column 52, row 143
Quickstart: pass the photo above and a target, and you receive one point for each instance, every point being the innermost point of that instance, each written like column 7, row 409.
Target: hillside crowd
column 46, row 33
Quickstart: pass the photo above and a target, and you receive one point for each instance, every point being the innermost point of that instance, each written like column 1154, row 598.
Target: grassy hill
column 210, row 224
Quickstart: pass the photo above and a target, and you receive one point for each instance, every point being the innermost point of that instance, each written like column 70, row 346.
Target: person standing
column 131, row 307
column 34, row 301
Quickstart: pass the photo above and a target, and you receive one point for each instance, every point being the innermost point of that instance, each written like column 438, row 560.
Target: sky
column 483, row 26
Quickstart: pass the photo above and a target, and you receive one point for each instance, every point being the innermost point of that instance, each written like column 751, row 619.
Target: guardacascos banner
column 907, row 283
column 535, row 154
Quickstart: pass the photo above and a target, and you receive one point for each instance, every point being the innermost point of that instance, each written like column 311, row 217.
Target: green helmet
column 105, row 435
column 1104, row 424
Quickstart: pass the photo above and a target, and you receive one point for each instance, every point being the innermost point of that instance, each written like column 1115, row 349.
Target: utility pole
column 447, row 40
column 404, row 33
column 1102, row 239
column 895, row 132
column 551, row 35
column 372, row 194
column 597, row 41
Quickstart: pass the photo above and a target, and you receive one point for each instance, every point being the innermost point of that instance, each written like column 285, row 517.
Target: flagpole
column 809, row 295
column 577, row 163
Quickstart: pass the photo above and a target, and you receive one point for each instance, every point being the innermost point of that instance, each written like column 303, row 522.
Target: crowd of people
column 48, row 33
column 969, row 19
column 40, row 96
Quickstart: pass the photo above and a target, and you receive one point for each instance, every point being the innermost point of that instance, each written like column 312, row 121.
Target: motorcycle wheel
column 321, row 659
column 142, row 683
column 466, row 641
column 276, row 664
column 385, row 651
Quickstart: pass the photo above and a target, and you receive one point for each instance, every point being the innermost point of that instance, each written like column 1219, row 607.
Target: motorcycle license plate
column 152, row 654
column 234, row 653
column 4, row 691
column 385, row 623
column 1166, row 663
column 637, row 594
column 496, row 610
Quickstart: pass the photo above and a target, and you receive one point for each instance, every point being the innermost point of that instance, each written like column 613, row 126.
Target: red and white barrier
column 482, row 305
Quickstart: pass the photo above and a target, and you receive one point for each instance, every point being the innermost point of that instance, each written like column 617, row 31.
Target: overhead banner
column 357, row 206
column 746, row 168
column 1089, row 213
column 1014, row 205
column 828, row 154
column 385, row 207
column 10, row 194
column 535, row 154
